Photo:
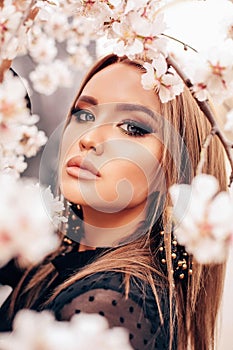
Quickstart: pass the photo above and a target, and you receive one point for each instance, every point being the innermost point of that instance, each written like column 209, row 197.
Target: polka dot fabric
column 103, row 294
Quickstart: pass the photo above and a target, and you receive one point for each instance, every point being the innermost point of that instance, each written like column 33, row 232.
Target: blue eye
column 133, row 128
column 82, row 115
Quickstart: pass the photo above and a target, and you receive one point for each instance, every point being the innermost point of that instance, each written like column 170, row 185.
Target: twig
column 186, row 46
column 204, row 151
column 205, row 107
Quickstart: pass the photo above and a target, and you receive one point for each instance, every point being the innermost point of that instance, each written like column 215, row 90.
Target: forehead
column 120, row 83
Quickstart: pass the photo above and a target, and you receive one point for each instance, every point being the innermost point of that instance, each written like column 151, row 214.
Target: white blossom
column 9, row 21
column 44, row 79
column 43, row 49
column 161, row 79
column 26, row 231
column 12, row 100
column 54, row 207
column 80, row 58
column 33, row 330
column 127, row 42
column 57, row 26
column 11, row 163
column 31, row 140
column 204, row 218
column 64, row 75
column 212, row 73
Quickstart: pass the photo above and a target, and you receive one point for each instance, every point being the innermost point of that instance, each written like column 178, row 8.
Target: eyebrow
column 89, row 99
column 120, row 106
column 135, row 107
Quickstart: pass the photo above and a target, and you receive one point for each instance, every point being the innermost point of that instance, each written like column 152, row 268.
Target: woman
column 120, row 152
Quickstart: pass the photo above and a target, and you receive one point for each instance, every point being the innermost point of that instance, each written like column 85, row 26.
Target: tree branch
column 205, row 107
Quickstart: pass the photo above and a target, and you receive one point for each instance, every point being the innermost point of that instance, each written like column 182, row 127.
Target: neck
column 108, row 229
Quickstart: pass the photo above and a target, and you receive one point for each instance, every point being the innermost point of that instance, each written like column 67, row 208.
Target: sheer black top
column 102, row 293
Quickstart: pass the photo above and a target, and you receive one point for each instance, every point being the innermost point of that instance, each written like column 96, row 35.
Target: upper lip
column 83, row 163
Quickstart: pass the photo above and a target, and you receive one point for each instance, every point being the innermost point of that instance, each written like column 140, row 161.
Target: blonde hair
column 197, row 301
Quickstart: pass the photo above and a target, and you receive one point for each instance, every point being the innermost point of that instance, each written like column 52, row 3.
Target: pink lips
column 82, row 169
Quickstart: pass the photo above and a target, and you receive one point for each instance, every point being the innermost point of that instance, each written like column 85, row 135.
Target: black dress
column 102, row 293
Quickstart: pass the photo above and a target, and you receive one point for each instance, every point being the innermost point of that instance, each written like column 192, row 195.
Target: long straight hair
column 197, row 300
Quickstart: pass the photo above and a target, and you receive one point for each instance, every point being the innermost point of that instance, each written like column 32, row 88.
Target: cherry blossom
column 44, row 79
column 54, row 207
column 19, row 136
column 33, row 330
column 212, row 73
column 31, row 140
column 30, row 236
column 161, row 79
column 127, row 42
column 203, row 218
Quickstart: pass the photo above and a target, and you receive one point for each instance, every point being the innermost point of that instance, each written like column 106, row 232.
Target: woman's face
column 110, row 150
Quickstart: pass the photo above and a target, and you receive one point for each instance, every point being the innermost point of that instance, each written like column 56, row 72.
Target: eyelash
column 78, row 113
column 140, row 129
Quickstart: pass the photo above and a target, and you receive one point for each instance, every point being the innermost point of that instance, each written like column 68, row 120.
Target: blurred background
column 182, row 20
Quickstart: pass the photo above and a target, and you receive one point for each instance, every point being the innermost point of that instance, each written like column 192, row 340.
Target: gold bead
column 174, row 242
column 78, row 207
column 163, row 261
column 173, row 255
column 185, row 254
column 162, row 233
column 190, row 272
column 181, row 276
column 180, row 263
column 67, row 240
column 184, row 267
column 161, row 249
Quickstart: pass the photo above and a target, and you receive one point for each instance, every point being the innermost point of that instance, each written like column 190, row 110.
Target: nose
column 92, row 140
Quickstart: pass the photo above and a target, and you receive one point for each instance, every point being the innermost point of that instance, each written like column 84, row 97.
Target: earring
column 181, row 260
column 72, row 229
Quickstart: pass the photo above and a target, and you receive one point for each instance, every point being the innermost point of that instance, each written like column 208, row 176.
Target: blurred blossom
column 11, row 163
column 61, row 69
column 80, row 58
column 19, row 136
column 229, row 121
column 9, row 22
column 47, row 78
column 32, row 331
column 26, row 230
column 43, row 49
column 212, row 73
column 12, row 102
column 204, row 218
column 31, row 140
column 57, row 26
column 46, row 8
column 44, row 79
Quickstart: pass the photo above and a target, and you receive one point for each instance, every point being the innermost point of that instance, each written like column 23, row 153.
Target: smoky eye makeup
column 82, row 115
column 134, row 128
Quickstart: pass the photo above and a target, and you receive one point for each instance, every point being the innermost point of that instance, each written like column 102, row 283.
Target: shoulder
column 104, row 294
column 140, row 291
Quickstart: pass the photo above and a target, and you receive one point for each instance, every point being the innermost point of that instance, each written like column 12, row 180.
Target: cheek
column 122, row 179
